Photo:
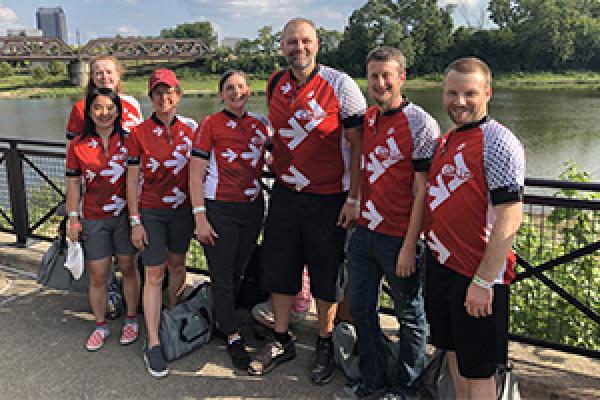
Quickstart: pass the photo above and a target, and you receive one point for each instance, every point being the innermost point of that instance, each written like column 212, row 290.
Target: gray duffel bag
column 188, row 325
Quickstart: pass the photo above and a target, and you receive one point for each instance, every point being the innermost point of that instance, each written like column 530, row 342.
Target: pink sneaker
column 96, row 340
column 129, row 334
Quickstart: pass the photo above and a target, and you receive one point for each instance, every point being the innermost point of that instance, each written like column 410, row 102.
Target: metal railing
column 555, row 299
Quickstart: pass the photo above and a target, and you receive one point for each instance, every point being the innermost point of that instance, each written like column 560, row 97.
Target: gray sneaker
column 155, row 362
column 270, row 356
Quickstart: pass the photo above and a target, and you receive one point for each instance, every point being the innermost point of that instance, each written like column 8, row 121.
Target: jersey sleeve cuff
column 200, row 153
column 72, row 172
column 353, row 121
column 71, row 135
column 133, row 161
column 421, row 164
column 506, row 195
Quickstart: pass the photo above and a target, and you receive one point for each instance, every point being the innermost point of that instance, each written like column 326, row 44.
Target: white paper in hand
column 74, row 261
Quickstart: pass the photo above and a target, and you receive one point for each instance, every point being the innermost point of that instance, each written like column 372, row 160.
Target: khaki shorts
column 107, row 237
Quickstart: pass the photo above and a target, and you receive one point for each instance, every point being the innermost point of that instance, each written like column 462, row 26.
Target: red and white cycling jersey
column 474, row 168
column 396, row 143
column 310, row 152
column 234, row 147
column 132, row 116
column 102, row 172
column 163, row 163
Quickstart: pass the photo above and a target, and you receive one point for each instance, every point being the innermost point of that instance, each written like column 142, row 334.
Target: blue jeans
column 372, row 255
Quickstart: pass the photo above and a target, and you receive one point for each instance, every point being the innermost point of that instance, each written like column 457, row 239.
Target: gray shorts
column 106, row 237
column 167, row 230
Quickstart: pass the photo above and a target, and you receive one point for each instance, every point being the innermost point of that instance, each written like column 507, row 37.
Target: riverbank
column 24, row 86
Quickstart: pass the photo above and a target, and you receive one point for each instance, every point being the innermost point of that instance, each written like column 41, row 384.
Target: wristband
column 352, row 201
column 482, row 283
column 198, row 209
column 134, row 220
column 73, row 214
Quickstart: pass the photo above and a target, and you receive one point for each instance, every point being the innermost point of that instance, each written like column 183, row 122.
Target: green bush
column 6, row 70
column 57, row 68
column 39, row 73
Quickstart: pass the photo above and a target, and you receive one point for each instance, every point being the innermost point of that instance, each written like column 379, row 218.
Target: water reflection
column 554, row 125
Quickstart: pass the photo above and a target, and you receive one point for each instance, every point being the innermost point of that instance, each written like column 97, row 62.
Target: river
column 554, row 125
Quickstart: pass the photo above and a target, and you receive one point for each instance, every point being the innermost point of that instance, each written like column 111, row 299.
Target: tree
column 420, row 28
column 202, row 30
column 6, row 70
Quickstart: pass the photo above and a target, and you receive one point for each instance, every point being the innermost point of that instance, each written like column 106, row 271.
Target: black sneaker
column 323, row 366
column 239, row 355
column 273, row 354
column 357, row 390
column 155, row 362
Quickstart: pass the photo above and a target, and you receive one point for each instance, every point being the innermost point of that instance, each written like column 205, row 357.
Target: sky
column 229, row 18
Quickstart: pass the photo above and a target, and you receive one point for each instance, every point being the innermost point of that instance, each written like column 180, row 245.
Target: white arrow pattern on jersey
column 116, row 206
column 115, row 171
column 178, row 162
column 436, row 245
column 297, row 179
column 177, row 199
column 90, row 175
column 372, row 215
column 253, row 191
column 229, row 155
column 153, row 165
column 253, row 155
column 377, row 167
column 297, row 133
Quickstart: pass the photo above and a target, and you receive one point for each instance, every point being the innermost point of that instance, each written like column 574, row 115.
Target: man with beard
column 473, row 211
column 399, row 139
column 316, row 114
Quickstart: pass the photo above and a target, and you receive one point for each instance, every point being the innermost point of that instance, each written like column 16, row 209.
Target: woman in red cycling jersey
column 97, row 158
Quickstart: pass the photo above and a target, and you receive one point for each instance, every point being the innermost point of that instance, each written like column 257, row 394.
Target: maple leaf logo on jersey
column 391, row 131
column 158, row 131
column 311, row 94
column 285, row 89
column 93, row 143
column 231, row 124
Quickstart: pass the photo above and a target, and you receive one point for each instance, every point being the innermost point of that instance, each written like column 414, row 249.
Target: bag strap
column 62, row 234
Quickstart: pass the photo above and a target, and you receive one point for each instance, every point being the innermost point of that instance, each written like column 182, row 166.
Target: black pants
column 238, row 226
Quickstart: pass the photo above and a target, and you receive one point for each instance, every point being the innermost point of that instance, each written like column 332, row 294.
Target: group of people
column 149, row 186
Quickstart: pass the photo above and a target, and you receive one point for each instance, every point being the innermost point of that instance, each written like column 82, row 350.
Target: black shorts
column 480, row 343
column 301, row 228
column 167, row 230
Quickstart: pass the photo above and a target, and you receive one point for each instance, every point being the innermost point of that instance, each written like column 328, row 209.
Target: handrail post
column 18, row 196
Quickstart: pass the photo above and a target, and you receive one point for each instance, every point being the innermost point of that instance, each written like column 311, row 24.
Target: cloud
column 127, row 30
column 8, row 18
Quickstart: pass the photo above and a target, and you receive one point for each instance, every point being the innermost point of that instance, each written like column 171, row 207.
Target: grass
column 197, row 84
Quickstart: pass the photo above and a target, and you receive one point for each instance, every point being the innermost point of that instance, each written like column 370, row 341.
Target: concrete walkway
column 42, row 333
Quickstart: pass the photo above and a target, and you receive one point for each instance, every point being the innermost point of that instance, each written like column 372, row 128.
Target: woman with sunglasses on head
column 97, row 158
column 159, row 211
column 225, row 172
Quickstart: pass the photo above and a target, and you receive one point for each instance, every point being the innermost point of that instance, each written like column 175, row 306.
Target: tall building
column 52, row 21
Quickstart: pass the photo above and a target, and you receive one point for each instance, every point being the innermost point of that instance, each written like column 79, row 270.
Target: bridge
column 20, row 48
